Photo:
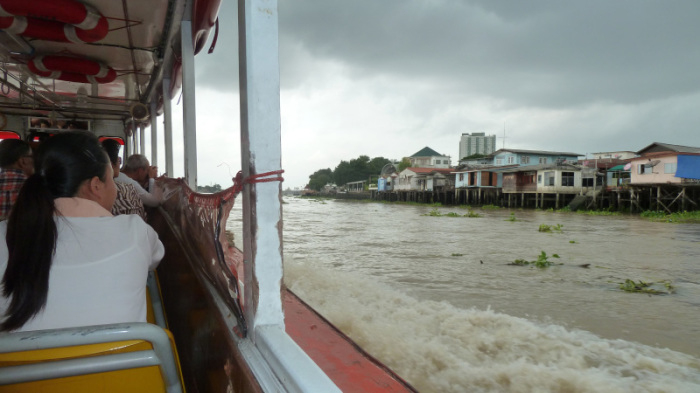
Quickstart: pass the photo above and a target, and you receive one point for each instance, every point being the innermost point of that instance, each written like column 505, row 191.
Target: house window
column 567, row 179
column 461, row 177
column 539, row 179
column 587, row 182
column 499, row 161
column 670, row 168
column 543, row 160
column 525, row 159
column 643, row 169
column 511, row 160
column 549, row 178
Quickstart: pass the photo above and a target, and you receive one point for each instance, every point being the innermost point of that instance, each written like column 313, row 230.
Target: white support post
column 142, row 138
column 261, row 149
column 168, row 125
column 189, row 126
column 261, row 152
column 154, row 133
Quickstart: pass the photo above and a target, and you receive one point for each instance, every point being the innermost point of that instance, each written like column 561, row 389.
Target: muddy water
column 436, row 299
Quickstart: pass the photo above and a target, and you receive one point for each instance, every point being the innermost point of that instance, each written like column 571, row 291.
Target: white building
column 476, row 143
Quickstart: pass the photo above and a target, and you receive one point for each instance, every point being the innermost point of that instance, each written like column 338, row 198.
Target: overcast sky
column 389, row 77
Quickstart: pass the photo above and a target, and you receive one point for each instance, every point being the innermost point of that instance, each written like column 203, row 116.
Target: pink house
column 661, row 163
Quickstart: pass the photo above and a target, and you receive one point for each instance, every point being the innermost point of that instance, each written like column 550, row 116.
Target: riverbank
column 655, row 216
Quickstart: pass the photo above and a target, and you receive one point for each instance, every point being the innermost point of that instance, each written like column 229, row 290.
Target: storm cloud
column 386, row 78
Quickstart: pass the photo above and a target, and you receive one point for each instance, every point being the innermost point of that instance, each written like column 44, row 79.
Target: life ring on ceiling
column 71, row 69
column 53, row 20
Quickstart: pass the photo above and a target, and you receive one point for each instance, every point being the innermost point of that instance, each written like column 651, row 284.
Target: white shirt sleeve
column 156, row 246
column 152, row 198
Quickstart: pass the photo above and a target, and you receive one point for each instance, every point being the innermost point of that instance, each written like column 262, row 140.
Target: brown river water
column 435, row 298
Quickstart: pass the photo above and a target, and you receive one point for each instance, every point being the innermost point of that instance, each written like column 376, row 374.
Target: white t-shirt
column 98, row 274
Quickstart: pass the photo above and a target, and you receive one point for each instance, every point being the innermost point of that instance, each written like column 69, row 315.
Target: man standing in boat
column 138, row 172
column 17, row 164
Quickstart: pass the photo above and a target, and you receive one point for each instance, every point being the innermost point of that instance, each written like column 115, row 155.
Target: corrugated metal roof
column 657, row 147
column 540, row 152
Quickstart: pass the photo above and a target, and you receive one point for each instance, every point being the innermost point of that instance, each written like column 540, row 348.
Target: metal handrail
column 162, row 354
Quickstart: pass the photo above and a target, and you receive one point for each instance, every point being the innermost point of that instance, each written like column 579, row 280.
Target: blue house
column 531, row 157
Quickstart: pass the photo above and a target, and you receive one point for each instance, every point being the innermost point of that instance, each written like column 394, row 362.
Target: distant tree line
column 209, row 189
column 356, row 169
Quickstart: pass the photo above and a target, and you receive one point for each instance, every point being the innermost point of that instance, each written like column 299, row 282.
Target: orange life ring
column 53, row 20
column 71, row 69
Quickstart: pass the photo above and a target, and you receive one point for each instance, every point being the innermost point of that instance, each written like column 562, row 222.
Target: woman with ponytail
column 66, row 260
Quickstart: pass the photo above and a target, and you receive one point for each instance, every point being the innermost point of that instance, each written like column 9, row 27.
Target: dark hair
column 11, row 150
column 62, row 164
column 112, row 148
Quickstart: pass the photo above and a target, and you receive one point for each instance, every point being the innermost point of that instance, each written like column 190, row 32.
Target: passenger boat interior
column 220, row 319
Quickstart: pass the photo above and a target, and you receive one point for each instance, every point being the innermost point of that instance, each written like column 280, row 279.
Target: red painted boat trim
column 349, row 366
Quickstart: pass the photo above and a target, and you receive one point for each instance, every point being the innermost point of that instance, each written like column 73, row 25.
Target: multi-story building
column 476, row 143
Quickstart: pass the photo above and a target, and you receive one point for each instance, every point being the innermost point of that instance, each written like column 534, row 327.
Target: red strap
column 239, row 181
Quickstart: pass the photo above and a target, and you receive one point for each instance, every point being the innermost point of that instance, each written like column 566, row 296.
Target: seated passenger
column 128, row 200
column 66, row 260
column 138, row 172
column 16, row 163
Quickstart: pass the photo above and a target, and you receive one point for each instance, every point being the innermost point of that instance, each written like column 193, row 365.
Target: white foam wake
column 440, row 348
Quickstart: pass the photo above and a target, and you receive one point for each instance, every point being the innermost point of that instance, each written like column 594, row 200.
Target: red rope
column 239, row 181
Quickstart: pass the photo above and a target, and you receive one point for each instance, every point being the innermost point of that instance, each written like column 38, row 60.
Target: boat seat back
column 137, row 357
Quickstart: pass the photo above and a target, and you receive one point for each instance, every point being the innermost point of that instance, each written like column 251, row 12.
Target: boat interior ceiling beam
column 189, row 121
column 154, row 133
column 168, row 128
column 164, row 52
column 130, row 36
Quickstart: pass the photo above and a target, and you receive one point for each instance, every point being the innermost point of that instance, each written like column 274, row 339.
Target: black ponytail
column 31, row 242
column 62, row 164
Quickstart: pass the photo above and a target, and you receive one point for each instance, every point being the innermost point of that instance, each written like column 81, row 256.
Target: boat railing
column 23, row 358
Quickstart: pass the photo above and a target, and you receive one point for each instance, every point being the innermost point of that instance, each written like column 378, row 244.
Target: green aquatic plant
column 541, row 262
column 453, row 214
column 490, row 207
column 434, row 213
column 512, row 218
column 454, row 254
column 471, row 214
column 679, row 217
column 572, row 241
column 646, row 287
column 550, row 228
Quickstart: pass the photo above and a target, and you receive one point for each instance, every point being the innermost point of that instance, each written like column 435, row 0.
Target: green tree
column 209, row 189
column 320, row 178
column 405, row 163
column 474, row 156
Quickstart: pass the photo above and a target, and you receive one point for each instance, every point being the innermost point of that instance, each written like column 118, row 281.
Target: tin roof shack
column 665, row 168
column 429, row 158
column 531, row 157
column 667, row 177
column 659, row 163
column 386, row 182
column 487, row 177
column 425, row 179
column 355, row 186
column 618, row 177
column 567, row 179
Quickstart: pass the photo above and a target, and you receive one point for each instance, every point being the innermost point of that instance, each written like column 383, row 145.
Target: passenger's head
column 112, row 148
column 136, row 167
column 17, row 154
column 73, row 164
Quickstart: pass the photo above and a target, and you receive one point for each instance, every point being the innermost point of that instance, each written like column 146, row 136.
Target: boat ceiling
column 136, row 47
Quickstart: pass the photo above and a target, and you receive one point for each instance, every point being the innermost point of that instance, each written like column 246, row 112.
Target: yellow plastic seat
column 137, row 357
